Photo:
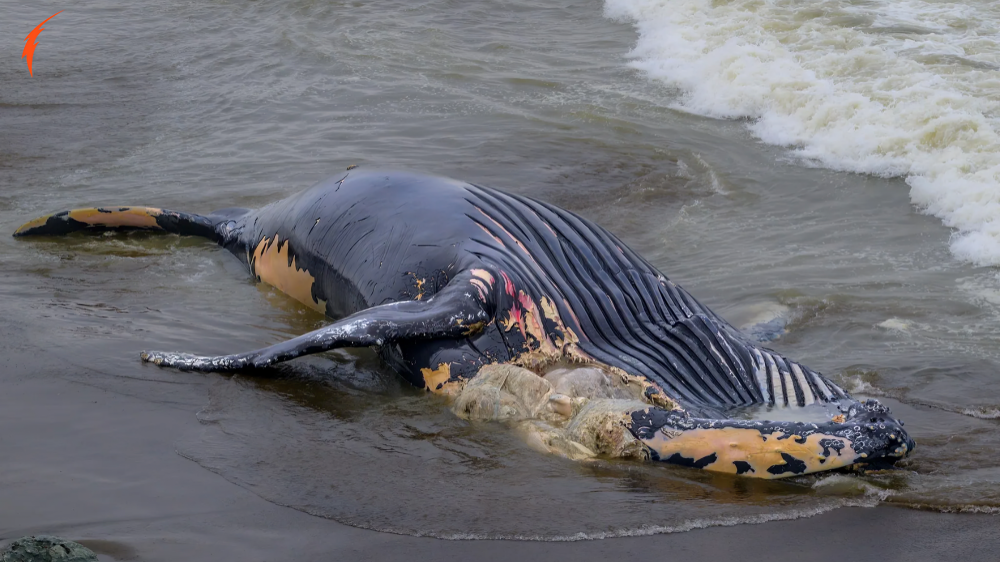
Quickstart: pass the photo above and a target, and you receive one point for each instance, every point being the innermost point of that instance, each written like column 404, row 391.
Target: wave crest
column 887, row 88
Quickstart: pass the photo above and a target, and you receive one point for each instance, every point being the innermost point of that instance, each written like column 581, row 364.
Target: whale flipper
column 452, row 313
column 99, row 219
column 774, row 449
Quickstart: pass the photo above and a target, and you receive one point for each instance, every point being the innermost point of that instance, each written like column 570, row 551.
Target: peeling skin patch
column 420, row 284
column 483, row 281
column 484, row 275
column 438, row 380
column 559, row 343
column 271, row 263
column 528, row 319
column 136, row 217
column 471, row 329
column 508, row 285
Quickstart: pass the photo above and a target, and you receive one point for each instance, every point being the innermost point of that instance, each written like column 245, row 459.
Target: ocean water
column 832, row 165
column 905, row 89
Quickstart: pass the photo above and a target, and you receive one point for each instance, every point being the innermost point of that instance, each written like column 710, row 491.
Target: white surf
column 905, row 88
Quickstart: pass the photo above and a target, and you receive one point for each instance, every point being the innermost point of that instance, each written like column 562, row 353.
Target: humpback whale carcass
column 522, row 311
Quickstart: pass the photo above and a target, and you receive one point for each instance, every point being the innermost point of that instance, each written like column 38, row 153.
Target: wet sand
column 135, row 498
column 149, row 103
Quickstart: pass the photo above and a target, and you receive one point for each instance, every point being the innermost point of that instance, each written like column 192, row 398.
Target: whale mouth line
column 876, row 465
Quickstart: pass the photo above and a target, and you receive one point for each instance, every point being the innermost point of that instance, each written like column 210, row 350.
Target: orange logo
column 29, row 42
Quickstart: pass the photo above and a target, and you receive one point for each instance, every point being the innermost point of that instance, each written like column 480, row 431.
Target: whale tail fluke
column 99, row 219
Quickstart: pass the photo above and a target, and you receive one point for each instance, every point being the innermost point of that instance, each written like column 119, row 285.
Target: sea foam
column 907, row 88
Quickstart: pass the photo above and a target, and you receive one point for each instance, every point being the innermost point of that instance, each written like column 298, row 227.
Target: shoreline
column 111, row 502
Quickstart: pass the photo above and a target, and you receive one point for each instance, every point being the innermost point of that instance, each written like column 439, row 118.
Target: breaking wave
column 893, row 88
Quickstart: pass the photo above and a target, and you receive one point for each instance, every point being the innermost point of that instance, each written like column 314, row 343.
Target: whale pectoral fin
column 100, row 219
column 767, row 449
column 449, row 314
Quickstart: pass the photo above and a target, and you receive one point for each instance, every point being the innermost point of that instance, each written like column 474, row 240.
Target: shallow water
column 196, row 106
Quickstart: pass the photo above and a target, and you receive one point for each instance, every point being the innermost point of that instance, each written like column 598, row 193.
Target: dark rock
column 42, row 548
